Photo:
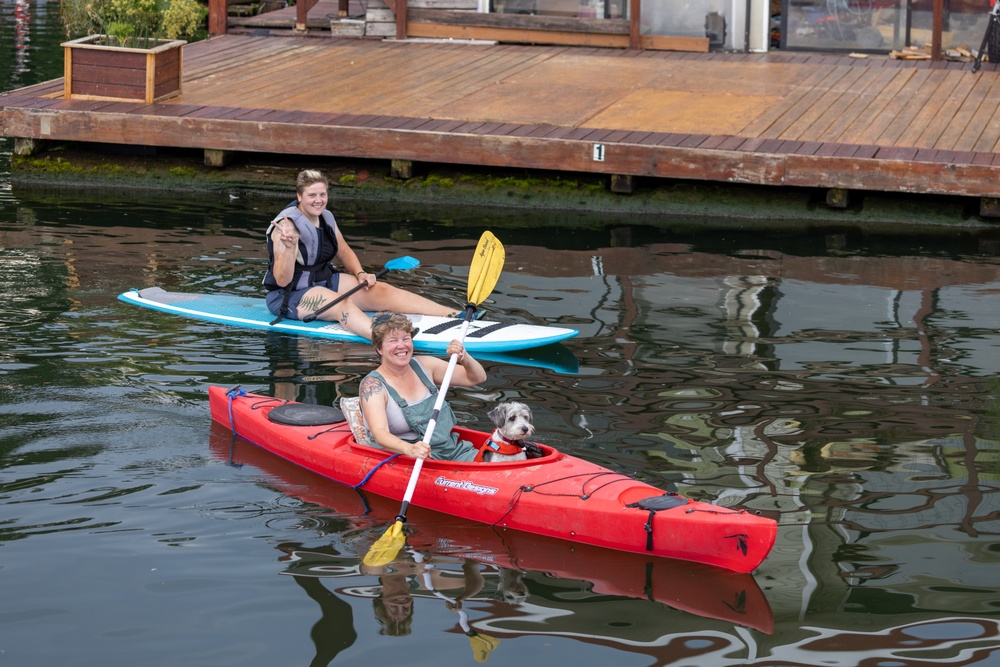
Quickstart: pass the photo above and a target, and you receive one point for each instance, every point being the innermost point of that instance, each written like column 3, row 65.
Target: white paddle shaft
column 452, row 362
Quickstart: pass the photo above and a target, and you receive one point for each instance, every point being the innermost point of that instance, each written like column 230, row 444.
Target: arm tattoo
column 370, row 387
column 312, row 303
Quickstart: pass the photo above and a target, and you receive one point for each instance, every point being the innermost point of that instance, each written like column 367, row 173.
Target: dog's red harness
column 500, row 445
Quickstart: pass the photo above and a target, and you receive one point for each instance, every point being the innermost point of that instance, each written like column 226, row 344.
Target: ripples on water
column 846, row 386
column 851, row 395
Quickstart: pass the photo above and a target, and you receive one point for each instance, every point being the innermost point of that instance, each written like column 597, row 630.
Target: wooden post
column 634, row 36
column 838, row 197
column 937, row 29
column 622, row 184
column 301, row 12
column 398, row 8
column 218, row 17
column 401, row 7
column 150, row 77
column 67, row 72
column 302, row 8
column 27, row 146
column 217, row 158
column 989, row 207
column 401, row 169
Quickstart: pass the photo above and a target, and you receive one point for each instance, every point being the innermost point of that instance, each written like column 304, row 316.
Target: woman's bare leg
column 383, row 296
column 346, row 312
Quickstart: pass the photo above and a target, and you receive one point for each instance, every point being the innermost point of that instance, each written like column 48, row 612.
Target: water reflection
column 848, row 391
column 18, row 18
column 334, row 631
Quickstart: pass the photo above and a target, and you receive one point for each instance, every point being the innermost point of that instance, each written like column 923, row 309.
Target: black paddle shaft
column 312, row 316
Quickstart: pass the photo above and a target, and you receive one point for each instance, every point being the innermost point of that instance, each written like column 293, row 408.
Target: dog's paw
column 533, row 451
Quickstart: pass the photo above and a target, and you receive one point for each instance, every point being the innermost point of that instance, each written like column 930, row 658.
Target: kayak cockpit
column 478, row 439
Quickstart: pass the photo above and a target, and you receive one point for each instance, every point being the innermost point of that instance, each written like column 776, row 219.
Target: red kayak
column 557, row 495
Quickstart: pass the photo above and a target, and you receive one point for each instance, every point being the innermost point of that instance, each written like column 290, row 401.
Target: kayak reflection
column 411, row 574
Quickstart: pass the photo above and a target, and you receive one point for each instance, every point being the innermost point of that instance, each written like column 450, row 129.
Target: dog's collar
column 502, row 445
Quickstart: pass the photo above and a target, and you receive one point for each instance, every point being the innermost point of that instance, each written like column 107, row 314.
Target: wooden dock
column 777, row 119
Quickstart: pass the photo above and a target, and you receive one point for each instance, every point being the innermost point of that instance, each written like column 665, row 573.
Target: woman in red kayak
column 398, row 397
column 302, row 243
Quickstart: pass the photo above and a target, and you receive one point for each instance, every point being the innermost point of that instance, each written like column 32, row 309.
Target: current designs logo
column 465, row 485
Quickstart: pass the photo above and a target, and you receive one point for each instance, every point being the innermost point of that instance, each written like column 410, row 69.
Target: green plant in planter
column 133, row 23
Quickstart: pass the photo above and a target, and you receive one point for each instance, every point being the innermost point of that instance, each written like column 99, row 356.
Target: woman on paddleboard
column 302, row 243
column 398, row 397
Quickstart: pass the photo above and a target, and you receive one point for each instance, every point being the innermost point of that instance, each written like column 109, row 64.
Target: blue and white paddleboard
column 434, row 335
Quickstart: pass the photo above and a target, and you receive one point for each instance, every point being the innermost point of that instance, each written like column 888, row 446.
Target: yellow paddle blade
column 387, row 547
column 482, row 645
column 487, row 264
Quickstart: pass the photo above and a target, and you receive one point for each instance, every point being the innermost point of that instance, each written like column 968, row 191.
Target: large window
column 592, row 9
column 878, row 25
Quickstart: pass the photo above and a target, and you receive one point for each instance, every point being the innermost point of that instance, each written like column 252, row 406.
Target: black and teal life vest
column 310, row 268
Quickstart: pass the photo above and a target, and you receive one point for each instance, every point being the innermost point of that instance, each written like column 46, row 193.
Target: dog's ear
column 498, row 415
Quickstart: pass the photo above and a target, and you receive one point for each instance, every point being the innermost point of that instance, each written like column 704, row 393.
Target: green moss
column 514, row 182
column 45, row 165
column 521, row 182
column 439, row 181
column 181, row 171
column 348, row 179
column 112, row 170
column 59, row 166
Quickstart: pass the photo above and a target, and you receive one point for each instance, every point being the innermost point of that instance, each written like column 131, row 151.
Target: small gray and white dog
column 514, row 422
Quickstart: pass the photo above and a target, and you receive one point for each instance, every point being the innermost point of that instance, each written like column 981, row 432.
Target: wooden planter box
column 97, row 72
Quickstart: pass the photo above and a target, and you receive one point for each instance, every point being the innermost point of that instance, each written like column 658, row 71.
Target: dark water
column 846, row 386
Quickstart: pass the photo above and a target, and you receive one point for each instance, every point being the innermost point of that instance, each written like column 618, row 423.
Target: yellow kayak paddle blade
column 387, row 547
column 482, row 645
column 486, row 266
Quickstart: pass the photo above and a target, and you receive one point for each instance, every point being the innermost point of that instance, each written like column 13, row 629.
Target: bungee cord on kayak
column 232, row 394
column 583, row 495
column 372, row 471
column 533, row 488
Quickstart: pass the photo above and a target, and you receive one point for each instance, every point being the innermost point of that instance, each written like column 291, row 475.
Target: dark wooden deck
column 772, row 119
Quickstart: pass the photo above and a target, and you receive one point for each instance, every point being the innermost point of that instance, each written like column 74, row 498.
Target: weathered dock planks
column 802, row 120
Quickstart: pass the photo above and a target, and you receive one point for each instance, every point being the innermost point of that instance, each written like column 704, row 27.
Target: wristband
column 358, row 274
